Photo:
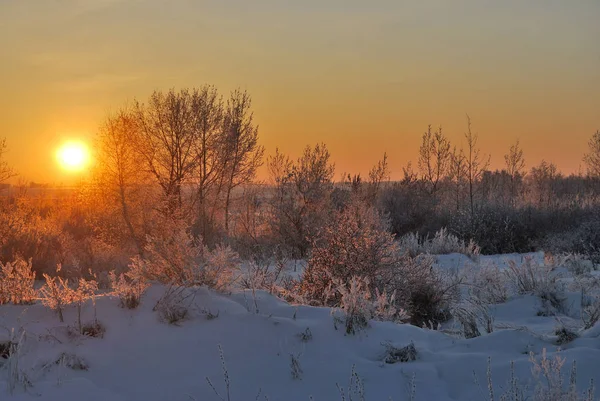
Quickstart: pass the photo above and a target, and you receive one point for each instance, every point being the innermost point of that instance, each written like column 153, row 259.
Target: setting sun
column 73, row 156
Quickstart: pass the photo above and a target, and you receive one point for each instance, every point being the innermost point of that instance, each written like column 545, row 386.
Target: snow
column 142, row 358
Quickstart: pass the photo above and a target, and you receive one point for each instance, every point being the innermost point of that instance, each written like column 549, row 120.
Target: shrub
column 354, row 242
column 173, row 257
column 403, row 354
column 16, row 282
column 174, row 305
column 221, row 265
column 488, row 284
column 529, row 277
column 131, row 285
column 355, row 304
column 442, row 243
column 56, row 294
column 179, row 259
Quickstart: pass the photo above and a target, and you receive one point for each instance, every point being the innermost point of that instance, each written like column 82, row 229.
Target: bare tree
column 543, row 179
column 515, row 167
column 6, row 171
column 458, row 174
column 377, row 176
column 167, row 141
column 242, row 153
column 207, row 113
column 475, row 164
column 592, row 158
column 434, row 158
column 118, row 166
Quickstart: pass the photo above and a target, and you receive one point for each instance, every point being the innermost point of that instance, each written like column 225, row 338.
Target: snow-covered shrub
column 577, row 263
column 174, row 305
column 358, row 306
column 403, row 354
column 86, row 289
column 411, row 244
column 174, row 257
column 488, row 284
column 16, row 282
column 56, row 294
column 530, row 277
column 550, row 381
column 355, row 306
column 590, row 310
column 219, row 270
column 564, row 334
column 354, row 242
column 131, row 285
column 442, row 243
column 425, row 292
column 265, row 277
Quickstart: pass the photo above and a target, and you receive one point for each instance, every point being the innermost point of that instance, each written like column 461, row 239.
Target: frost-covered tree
column 515, row 167
column 301, row 195
column 241, row 150
column 475, row 165
column 118, row 173
column 434, row 158
column 166, row 140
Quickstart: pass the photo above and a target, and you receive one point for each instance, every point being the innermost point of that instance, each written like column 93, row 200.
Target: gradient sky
column 362, row 76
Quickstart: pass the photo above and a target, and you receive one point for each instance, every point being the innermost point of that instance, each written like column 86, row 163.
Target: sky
column 364, row 77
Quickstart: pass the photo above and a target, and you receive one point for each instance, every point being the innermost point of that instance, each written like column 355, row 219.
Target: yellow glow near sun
column 73, row 156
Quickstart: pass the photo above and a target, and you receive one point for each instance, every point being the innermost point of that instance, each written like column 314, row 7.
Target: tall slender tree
column 242, row 152
column 475, row 165
column 515, row 167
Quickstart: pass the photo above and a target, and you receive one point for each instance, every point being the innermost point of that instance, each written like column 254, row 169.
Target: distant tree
column 515, row 167
column 592, row 158
column 6, row 171
column 475, row 165
column 543, row 179
column 458, row 174
column 242, row 153
column 434, row 158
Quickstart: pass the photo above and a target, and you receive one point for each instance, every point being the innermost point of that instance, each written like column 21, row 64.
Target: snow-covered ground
column 142, row 358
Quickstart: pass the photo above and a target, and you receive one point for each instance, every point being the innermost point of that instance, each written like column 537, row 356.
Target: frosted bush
column 577, row 264
column 355, row 306
column 16, row 282
column 529, row 277
column 180, row 259
column 488, row 284
column 131, row 285
column 56, row 294
column 220, row 268
column 411, row 244
column 174, row 258
column 442, row 243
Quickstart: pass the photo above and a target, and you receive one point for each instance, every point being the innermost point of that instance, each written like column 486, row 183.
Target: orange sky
column 362, row 76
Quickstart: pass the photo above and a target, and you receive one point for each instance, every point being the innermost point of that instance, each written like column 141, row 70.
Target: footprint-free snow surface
column 141, row 358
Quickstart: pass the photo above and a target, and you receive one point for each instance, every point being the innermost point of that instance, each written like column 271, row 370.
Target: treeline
column 188, row 160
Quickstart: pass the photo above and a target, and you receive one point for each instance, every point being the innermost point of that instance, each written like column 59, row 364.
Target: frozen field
column 142, row 358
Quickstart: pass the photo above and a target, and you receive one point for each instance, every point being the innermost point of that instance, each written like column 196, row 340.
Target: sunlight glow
column 73, row 156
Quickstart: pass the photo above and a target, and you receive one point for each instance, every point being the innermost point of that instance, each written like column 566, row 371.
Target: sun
column 73, row 156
